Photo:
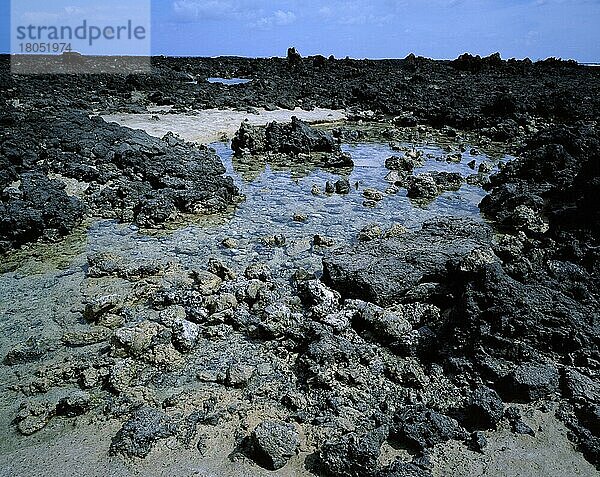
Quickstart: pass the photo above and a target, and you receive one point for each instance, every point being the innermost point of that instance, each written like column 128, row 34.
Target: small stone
column 208, row 283
column 394, row 231
column 229, row 243
column 278, row 240
column 258, row 271
column 484, row 168
column 322, row 241
column 221, row 270
column 274, row 443
column 185, row 335
column 456, row 157
column 316, row 190
column 75, row 404
column 300, row 217
column 238, row 375
column 370, row 232
column 329, row 188
column 472, row 164
column 342, row 186
column 373, row 194
column 478, row 442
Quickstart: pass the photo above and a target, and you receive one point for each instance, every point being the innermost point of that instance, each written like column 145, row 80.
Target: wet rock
column 42, row 210
column 322, row 241
column 329, row 187
column 141, row 431
column 274, row 443
column 422, row 187
column 384, row 272
column 292, row 139
column 342, row 186
column 229, row 243
column 352, row 454
column 207, row 283
column 103, row 264
column 370, row 232
column 316, row 190
column 300, row 217
column 401, row 163
column 278, row 240
column 220, row 269
column 394, row 231
column 258, row 271
column 373, row 194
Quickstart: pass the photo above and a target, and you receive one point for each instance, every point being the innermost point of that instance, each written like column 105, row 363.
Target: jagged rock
column 26, row 352
column 185, row 335
column 33, row 416
column 75, row 404
column 531, row 381
column 385, row 271
column 423, row 428
column 141, row 431
column 274, row 443
column 484, row 409
column 318, row 298
column 353, row 455
column 291, row 139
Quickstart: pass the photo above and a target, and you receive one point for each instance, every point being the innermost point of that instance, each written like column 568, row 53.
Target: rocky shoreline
column 403, row 344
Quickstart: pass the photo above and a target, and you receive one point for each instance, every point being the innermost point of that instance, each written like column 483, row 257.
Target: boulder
column 384, row 271
column 274, row 443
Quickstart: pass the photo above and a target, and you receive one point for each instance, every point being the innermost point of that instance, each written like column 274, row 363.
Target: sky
column 366, row 29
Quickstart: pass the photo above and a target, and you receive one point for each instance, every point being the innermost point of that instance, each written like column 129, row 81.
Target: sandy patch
column 212, row 125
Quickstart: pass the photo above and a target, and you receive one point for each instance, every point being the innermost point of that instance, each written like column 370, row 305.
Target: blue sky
column 375, row 29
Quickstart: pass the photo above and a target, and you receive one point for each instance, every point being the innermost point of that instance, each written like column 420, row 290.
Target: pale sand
column 211, row 125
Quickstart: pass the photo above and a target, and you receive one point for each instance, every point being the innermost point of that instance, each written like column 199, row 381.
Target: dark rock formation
column 274, row 443
column 388, row 271
column 291, row 139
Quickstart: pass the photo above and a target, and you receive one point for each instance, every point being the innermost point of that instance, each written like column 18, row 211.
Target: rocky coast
column 357, row 268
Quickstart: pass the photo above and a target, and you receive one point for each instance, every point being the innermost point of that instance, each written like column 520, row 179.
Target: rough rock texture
column 290, row 139
column 387, row 271
column 274, row 443
column 139, row 434
column 100, row 169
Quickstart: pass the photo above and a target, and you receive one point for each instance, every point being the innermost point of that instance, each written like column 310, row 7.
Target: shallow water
column 229, row 81
column 275, row 193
